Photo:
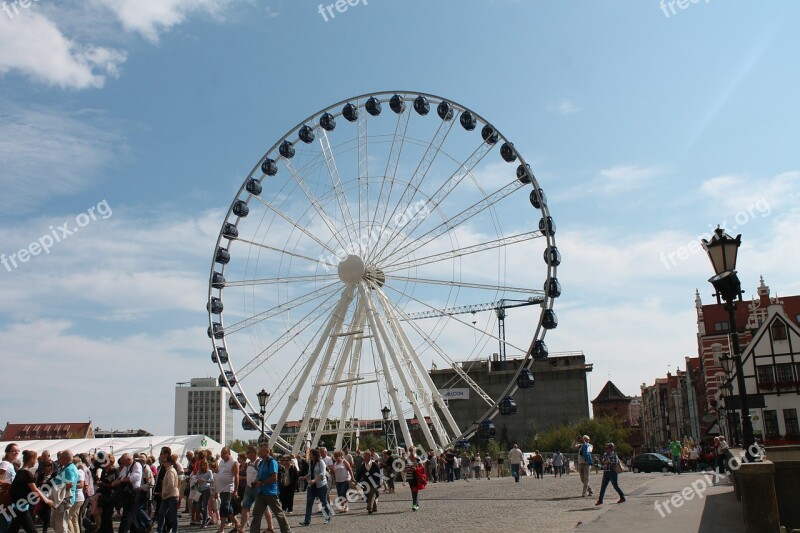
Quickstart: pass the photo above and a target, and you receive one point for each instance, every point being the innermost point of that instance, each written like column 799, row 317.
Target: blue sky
column 645, row 130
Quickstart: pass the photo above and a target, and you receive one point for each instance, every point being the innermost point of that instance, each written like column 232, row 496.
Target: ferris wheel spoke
column 317, row 260
column 336, row 180
column 282, row 308
column 456, row 220
column 363, row 170
column 295, row 224
column 286, row 337
column 461, row 252
column 285, row 279
column 463, row 170
column 453, row 364
column 298, row 178
column 392, row 163
column 467, row 285
column 423, row 167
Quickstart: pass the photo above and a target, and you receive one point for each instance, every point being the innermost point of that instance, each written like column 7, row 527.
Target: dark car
column 652, row 462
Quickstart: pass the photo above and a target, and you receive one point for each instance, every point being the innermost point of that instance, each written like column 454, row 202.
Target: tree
column 601, row 430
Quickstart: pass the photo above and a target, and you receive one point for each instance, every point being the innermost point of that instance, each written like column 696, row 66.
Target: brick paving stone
column 496, row 505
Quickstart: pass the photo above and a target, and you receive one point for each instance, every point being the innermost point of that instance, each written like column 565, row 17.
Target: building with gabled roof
column 48, row 431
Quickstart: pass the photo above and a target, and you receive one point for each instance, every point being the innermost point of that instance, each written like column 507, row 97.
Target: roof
column 58, row 430
column 610, row 393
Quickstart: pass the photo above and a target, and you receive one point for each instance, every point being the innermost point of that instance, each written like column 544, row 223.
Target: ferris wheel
column 360, row 218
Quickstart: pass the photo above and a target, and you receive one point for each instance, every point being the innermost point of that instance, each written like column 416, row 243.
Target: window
column 778, row 330
column 790, row 421
column 771, row 424
column 721, row 326
column 797, row 319
column 765, row 374
column 783, row 373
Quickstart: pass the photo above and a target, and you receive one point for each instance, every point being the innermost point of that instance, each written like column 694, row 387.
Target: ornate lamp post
column 722, row 250
column 385, row 413
column 263, row 396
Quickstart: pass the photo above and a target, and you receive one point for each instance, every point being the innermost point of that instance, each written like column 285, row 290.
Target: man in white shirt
column 7, row 475
column 227, row 481
column 515, row 458
column 130, row 474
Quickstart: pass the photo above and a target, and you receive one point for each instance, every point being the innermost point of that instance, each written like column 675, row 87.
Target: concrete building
column 201, row 408
column 560, row 394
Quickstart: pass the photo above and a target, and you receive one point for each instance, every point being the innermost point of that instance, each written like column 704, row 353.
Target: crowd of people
column 87, row 493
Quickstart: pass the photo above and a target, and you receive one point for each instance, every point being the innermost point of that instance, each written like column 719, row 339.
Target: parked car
column 652, row 462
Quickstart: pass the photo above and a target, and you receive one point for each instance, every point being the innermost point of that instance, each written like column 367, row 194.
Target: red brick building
column 612, row 402
column 49, row 431
column 713, row 340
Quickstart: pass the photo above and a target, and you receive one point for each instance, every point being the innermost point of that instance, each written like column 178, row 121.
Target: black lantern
column 726, row 362
column 385, row 413
column 722, row 250
column 263, row 396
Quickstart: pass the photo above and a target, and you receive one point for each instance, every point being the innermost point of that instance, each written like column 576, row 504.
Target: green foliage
column 601, row 430
column 240, row 446
column 371, row 440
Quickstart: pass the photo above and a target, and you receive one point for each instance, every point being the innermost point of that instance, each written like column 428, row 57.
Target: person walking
column 487, row 465
column 417, row 481
column 288, row 485
column 68, row 477
column 610, row 461
column 23, row 490
column 584, row 463
column 227, row 483
column 368, row 475
column 675, row 451
column 515, row 459
column 267, row 496
column 558, row 463
column 317, row 489
column 168, row 501
column 203, row 485
column 342, row 474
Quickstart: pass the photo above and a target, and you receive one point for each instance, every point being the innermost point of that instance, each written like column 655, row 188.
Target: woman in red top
column 415, row 476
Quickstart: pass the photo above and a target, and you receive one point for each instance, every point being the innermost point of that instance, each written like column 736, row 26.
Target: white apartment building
column 202, row 408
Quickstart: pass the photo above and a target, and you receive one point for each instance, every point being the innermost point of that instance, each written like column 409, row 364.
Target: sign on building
column 455, row 394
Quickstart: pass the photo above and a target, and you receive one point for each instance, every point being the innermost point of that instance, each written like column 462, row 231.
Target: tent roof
column 180, row 444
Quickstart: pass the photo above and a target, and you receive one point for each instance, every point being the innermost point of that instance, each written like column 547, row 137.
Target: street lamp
column 263, row 396
column 723, row 250
column 385, row 413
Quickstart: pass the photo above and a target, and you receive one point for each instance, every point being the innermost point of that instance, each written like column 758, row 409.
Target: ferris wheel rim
column 539, row 333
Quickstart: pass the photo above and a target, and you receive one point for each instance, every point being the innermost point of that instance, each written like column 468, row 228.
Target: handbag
column 195, row 495
column 619, row 467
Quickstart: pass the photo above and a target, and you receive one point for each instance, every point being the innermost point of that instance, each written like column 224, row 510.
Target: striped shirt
column 609, row 460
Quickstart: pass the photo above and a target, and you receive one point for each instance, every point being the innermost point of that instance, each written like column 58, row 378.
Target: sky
column 136, row 122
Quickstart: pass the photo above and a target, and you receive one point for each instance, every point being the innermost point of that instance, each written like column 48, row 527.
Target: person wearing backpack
column 584, row 462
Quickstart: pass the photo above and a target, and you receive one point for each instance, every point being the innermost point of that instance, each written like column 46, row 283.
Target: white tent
column 149, row 445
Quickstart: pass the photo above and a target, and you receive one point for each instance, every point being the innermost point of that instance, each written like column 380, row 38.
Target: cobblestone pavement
column 496, row 505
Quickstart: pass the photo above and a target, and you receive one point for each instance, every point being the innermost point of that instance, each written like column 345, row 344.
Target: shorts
column 225, row 508
column 249, row 498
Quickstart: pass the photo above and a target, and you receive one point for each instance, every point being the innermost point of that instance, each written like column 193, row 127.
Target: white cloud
column 621, row 178
column 33, row 44
column 563, row 106
column 69, row 148
column 150, row 17
column 735, row 193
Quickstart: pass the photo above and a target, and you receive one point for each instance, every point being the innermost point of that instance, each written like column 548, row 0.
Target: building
column 202, row 408
column 120, row 433
column 772, row 375
column 560, row 394
column 611, row 402
column 48, row 431
column 669, row 409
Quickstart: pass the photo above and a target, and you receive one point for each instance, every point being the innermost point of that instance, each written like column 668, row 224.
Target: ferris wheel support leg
column 437, row 396
column 323, row 367
column 405, row 350
column 355, row 360
column 334, row 322
column 398, row 407
column 337, row 376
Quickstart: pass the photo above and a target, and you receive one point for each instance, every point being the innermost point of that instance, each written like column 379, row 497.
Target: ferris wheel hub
column 351, row 270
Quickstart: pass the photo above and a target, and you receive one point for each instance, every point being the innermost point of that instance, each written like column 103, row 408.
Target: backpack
column 420, row 479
